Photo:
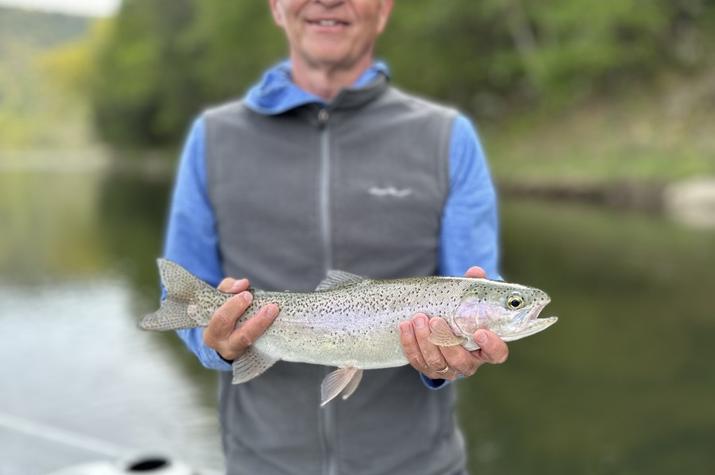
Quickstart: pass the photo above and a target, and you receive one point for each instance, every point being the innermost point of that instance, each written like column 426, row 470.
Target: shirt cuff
column 433, row 384
column 209, row 358
column 227, row 361
column 212, row 360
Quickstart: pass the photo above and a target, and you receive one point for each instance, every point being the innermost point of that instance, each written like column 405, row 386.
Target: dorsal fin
column 338, row 278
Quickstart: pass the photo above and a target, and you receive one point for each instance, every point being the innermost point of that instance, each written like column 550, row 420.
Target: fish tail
column 175, row 311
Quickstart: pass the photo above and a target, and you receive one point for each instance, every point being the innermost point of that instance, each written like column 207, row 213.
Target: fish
column 351, row 322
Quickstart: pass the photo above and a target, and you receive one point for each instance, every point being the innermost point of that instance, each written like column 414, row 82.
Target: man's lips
column 327, row 22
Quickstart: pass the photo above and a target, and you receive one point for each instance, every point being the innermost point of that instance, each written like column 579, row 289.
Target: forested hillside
column 560, row 89
column 33, row 111
column 163, row 60
column 37, row 29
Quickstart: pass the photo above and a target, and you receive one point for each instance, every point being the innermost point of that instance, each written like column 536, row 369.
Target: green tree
column 145, row 86
column 237, row 41
column 164, row 60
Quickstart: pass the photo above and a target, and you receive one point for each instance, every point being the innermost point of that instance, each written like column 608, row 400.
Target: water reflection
column 80, row 383
column 131, row 221
column 616, row 385
column 77, row 267
column 622, row 384
column 49, row 226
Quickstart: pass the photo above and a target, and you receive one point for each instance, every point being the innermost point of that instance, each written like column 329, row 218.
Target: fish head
column 508, row 310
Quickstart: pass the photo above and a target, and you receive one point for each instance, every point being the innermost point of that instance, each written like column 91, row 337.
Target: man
column 324, row 165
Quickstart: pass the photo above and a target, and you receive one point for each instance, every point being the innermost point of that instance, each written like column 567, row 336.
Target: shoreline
column 689, row 201
column 643, row 196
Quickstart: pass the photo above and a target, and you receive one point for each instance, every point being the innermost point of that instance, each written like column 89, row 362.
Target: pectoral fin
column 252, row 363
column 442, row 335
column 342, row 380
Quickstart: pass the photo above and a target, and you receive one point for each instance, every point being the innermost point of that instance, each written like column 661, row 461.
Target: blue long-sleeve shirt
column 469, row 231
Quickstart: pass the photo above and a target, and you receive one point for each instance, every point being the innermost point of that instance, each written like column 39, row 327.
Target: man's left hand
column 449, row 362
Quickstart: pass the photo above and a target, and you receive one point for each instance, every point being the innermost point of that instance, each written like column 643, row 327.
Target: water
column 80, row 383
column 623, row 383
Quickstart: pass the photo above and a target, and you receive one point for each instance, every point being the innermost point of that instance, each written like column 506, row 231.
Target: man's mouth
column 328, row 22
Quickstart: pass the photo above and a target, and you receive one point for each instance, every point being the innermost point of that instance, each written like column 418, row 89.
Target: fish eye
column 515, row 301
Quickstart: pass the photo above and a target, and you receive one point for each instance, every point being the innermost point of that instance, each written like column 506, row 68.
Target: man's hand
column 221, row 333
column 448, row 362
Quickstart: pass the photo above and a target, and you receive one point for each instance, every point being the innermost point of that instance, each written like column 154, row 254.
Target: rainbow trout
column 352, row 322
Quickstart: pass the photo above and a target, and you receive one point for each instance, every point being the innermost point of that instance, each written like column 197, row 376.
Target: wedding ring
column 444, row 370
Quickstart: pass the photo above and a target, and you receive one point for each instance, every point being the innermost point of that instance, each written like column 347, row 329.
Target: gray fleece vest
column 358, row 186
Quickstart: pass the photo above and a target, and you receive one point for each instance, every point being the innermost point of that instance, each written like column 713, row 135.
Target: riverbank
column 649, row 149
column 644, row 196
column 690, row 202
column 639, row 138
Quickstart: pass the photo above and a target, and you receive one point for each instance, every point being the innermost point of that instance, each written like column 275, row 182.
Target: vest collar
column 276, row 93
column 358, row 96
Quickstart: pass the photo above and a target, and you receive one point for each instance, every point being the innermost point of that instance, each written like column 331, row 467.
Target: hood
column 276, row 92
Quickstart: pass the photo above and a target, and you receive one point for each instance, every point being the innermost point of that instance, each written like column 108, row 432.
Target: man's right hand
column 221, row 333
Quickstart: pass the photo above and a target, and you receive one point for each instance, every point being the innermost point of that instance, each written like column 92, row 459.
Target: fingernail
column 481, row 337
column 238, row 285
column 404, row 327
column 247, row 297
column 271, row 311
column 420, row 322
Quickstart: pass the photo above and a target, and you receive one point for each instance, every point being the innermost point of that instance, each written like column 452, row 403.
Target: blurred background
column 598, row 117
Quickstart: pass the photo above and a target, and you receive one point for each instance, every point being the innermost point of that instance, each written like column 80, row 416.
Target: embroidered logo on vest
column 390, row 191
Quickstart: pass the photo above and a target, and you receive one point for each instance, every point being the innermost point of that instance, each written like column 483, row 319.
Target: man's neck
column 326, row 82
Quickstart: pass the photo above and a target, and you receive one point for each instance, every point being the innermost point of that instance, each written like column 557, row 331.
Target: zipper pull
column 323, row 117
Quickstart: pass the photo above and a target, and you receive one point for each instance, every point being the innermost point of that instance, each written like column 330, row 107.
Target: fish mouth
column 533, row 314
column 532, row 323
column 532, row 327
column 523, row 318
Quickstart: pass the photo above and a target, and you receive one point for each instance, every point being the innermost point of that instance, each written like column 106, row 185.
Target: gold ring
column 444, row 370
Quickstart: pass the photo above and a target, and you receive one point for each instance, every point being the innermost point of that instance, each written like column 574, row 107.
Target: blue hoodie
column 469, row 231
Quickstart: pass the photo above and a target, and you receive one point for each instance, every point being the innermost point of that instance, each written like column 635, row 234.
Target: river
column 623, row 384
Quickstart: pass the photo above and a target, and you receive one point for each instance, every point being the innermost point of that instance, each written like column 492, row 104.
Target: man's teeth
column 328, row 23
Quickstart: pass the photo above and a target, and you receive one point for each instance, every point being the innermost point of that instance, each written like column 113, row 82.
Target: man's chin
column 317, row 50
column 331, row 60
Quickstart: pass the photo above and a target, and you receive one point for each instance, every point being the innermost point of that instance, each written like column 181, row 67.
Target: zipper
column 327, row 421
column 326, row 415
column 324, row 203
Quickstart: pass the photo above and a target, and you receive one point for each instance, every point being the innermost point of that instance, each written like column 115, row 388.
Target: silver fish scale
column 208, row 301
column 353, row 325
column 354, row 322
column 351, row 322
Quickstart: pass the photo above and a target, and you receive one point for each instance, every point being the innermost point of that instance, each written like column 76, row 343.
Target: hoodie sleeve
column 470, row 230
column 191, row 238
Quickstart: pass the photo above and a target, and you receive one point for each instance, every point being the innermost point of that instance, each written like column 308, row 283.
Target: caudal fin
column 181, row 289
